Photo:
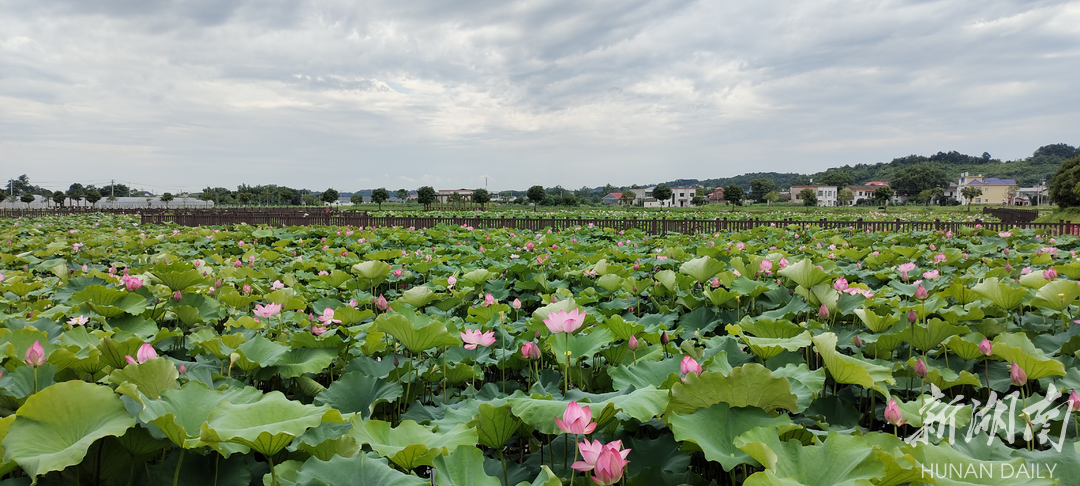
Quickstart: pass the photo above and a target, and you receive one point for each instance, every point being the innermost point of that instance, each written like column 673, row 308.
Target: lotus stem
column 176, row 474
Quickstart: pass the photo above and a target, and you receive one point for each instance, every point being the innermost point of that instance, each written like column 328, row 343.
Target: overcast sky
column 362, row 94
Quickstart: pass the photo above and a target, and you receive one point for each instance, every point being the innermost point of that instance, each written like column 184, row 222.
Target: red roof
column 876, row 183
column 618, row 195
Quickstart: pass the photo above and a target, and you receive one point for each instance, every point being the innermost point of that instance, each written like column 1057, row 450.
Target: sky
column 180, row 95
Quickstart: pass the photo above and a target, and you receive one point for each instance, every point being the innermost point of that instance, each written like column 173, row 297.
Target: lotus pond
column 336, row 355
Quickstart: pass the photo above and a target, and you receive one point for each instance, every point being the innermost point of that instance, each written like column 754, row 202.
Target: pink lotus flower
column 985, row 347
column 576, row 420
column 766, row 267
column 489, row 300
column 590, row 452
column 920, row 368
column 516, row 304
column 35, row 355
column 1050, row 274
column 632, row 343
column 474, row 337
column 940, row 257
column 841, row 284
column 1017, row 375
column 562, row 321
column 530, row 350
column 381, row 303
column 609, row 467
column 921, row 293
column 1073, row 402
column 131, row 283
column 450, row 282
column 893, row 415
column 327, row 317
column 905, row 267
column 398, row 273
column 277, row 285
column 932, row 274
column 267, row 311
column 78, row 321
column 689, row 365
column 317, row 329
column 146, row 353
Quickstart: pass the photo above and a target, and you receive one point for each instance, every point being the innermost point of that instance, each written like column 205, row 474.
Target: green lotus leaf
column 644, row 373
column 359, row 469
column 335, row 278
column 56, row 426
column 354, row 392
column 5, row 465
column 804, row 273
column 416, row 332
column 805, row 384
column 848, row 369
column 476, row 277
column 419, row 296
column 749, row 385
column 266, row 426
column 579, row 345
column 642, row 404
column 768, row 348
column 110, row 303
column 610, row 282
column 839, row 460
column 326, row 441
column 666, row 278
column 931, row 334
column 410, row 444
column 720, row 296
column 769, row 478
column 299, row 361
column 151, row 378
column 966, row 346
column 1017, row 348
column 715, row 428
column 702, row 269
column 769, row 328
column 875, row 322
column 177, row 276
column 495, row 425
column 259, row 352
column 1057, row 295
column 188, row 315
column 372, row 269
column 180, row 413
column 1002, row 295
column 465, row 465
column 910, row 410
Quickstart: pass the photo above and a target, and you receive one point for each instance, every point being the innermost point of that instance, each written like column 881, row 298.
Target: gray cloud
column 337, row 93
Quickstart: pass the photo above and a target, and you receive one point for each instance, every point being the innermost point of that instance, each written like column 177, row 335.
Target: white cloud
column 550, row 91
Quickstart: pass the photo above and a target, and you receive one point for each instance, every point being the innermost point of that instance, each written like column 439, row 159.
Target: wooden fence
column 648, row 225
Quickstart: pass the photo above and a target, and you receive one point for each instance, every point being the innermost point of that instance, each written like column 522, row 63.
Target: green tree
column 356, row 199
column 809, row 198
column 379, row 196
column 845, row 196
column 1063, row 184
column 759, row 188
column 329, row 196
column 925, row 196
column 245, row 197
column 27, row 198
column 308, row 199
column 482, row 197
column 970, row 193
column 936, row 194
column 568, row 199
column 912, row 180
column 537, row 195
column 882, row 196
column 402, row 195
column 76, row 192
column 92, row 197
column 771, row 197
column 662, row 193
column 734, row 194
column 426, row 196
column 838, row 178
column 286, row 196
column 167, row 198
column 59, row 197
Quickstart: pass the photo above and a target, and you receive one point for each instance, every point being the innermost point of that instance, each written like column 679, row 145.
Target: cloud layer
column 398, row 94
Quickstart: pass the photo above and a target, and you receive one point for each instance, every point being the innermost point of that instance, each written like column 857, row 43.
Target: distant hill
column 1029, row 171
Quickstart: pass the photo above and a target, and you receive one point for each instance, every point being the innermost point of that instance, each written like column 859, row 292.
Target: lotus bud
column 35, row 355
column 985, row 347
column 920, row 368
column 689, row 365
column 176, row 296
column 1006, row 251
column 632, row 343
column 381, row 304
column 537, row 334
column 1017, row 375
column 857, row 341
column 893, row 415
column 921, row 293
column 218, row 283
column 182, row 369
column 146, row 353
column 823, row 312
column 489, row 300
column 664, row 339
column 516, row 304
column 395, row 361
column 1073, row 402
column 529, row 350
column 246, row 289
column 912, row 316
